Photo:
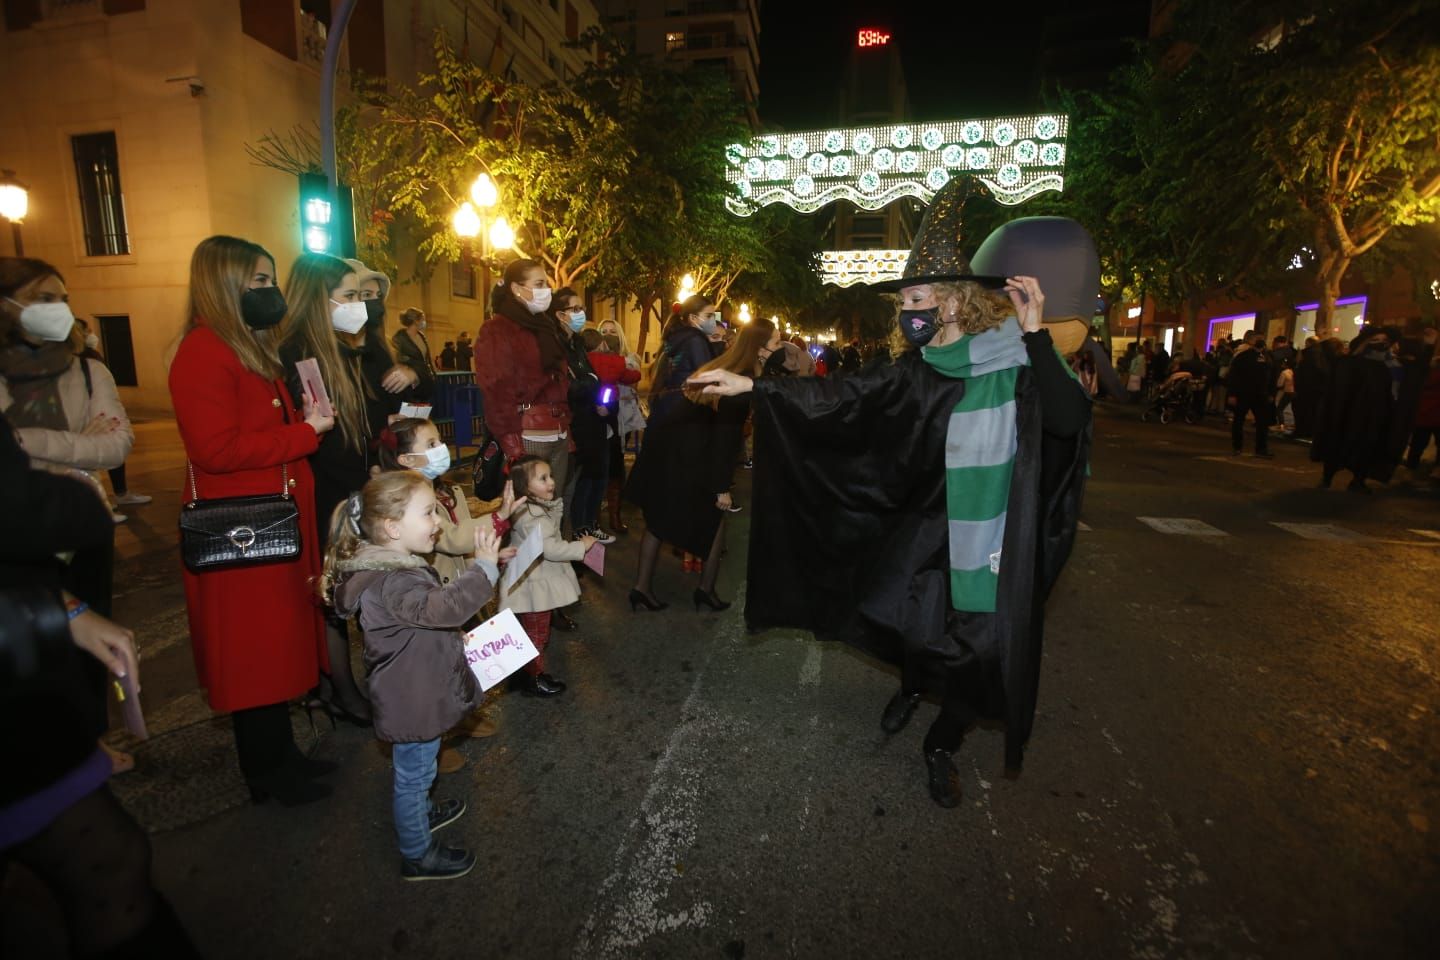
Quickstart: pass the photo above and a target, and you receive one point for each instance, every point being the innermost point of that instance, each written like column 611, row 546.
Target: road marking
column 810, row 669
column 1432, row 534
column 1182, row 526
column 1322, row 531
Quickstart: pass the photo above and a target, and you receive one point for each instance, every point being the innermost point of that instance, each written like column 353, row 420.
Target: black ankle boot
column 899, row 711
column 944, row 778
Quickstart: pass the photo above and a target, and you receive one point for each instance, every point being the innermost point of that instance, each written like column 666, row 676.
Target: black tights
column 650, row 555
column 264, row 740
column 96, row 862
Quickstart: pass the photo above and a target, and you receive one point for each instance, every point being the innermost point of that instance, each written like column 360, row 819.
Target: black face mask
column 920, row 326
column 775, row 364
column 374, row 311
column 262, row 307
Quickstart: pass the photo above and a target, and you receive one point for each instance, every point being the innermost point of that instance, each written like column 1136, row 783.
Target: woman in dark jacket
column 675, row 482
column 413, row 350
column 327, row 321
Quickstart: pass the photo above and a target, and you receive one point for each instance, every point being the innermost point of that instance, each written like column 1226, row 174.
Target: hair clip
column 354, row 509
column 389, row 441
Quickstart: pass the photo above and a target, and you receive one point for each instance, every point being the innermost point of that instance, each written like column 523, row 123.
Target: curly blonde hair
column 979, row 309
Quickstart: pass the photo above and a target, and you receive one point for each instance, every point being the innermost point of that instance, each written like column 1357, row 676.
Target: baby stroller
column 1176, row 396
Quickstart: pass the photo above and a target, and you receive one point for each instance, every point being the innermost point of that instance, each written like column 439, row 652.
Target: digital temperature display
column 872, row 38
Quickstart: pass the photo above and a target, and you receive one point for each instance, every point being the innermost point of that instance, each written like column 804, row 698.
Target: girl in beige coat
column 550, row 582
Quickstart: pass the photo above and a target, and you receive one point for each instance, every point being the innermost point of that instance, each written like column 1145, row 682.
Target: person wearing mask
column 65, row 410
column 327, row 320
column 58, row 817
column 590, row 421
column 413, row 350
column 522, row 369
column 631, row 420
column 464, row 352
column 1356, row 420
column 256, row 632
column 1251, row 385
column 675, row 481
column 124, row 497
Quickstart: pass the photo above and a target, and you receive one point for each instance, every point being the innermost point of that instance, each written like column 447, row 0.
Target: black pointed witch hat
column 936, row 256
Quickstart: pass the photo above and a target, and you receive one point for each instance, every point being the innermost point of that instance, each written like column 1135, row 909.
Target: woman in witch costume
column 942, row 492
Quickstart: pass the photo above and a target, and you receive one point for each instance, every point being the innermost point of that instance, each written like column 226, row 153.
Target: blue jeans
column 590, row 491
column 414, row 773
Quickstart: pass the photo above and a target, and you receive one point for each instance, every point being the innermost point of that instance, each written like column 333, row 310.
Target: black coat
column 50, row 703
column 1356, row 426
column 850, row 530
column 690, row 450
column 417, row 358
column 1252, row 377
column 587, row 426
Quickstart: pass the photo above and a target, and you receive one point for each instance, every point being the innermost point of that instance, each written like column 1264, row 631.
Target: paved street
column 1235, row 755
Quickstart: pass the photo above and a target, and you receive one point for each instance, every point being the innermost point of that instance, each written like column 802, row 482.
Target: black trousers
column 1263, row 413
column 264, row 739
column 1419, row 439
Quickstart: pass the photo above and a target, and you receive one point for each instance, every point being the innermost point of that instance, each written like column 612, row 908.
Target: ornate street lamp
column 14, row 203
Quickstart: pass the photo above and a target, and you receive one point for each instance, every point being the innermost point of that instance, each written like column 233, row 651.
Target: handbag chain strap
column 284, row 467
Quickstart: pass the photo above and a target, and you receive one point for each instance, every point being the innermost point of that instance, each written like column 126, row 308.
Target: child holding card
column 420, row 683
column 414, row 444
column 551, row 582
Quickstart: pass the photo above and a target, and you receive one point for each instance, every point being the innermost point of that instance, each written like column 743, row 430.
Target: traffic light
column 327, row 224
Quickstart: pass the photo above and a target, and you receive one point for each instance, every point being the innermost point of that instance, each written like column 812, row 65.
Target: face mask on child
column 437, row 462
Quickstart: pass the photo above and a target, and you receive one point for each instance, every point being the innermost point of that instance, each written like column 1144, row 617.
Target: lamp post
column 469, row 223
column 14, row 202
column 744, row 313
column 687, row 287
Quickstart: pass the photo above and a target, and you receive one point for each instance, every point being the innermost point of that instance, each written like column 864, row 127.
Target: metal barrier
column 459, row 410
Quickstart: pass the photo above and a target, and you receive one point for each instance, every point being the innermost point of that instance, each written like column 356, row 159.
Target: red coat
column 508, row 373
column 611, row 369
column 256, row 631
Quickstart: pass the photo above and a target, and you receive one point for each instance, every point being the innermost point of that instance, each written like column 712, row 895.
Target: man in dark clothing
column 464, row 352
column 850, row 357
column 1357, row 420
column 1251, row 383
column 447, row 356
column 1282, row 350
column 1160, row 364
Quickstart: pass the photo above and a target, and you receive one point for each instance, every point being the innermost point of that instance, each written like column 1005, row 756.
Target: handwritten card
column 312, row 386
column 595, row 558
column 420, row 411
column 497, row 648
column 525, row 556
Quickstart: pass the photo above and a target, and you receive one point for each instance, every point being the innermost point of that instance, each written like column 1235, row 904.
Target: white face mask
column 47, row 321
column 349, row 317
column 540, row 301
column 438, row 462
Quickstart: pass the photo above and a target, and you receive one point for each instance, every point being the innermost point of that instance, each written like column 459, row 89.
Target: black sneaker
column 601, row 536
column 445, row 812
column 438, row 863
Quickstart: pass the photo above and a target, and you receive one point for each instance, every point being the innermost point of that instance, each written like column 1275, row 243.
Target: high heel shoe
column 710, row 600
column 638, row 599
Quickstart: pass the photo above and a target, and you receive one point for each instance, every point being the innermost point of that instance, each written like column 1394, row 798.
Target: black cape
column 1356, row 425
column 849, row 533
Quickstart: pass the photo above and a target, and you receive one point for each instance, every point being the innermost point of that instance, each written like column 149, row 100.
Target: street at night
column 1234, row 756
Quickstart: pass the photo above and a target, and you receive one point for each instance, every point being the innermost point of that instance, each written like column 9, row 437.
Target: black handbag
column 489, row 468
column 236, row 531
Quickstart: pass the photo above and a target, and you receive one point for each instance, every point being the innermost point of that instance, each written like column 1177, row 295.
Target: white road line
column 810, row 669
column 1322, row 531
column 1182, row 526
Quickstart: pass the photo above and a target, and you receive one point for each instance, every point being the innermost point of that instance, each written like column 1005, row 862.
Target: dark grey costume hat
column 1056, row 251
column 936, row 256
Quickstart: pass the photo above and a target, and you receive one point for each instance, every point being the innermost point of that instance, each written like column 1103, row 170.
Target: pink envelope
column 595, row 558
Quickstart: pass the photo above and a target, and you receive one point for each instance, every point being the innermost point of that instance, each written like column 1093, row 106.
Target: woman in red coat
column 256, row 630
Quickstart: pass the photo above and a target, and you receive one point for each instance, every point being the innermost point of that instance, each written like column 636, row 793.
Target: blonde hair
column 220, row 272
column 624, row 350
column 307, row 322
column 978, row 308
column 357, row 520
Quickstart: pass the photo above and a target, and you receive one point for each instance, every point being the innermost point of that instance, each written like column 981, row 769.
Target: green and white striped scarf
column 980, row 445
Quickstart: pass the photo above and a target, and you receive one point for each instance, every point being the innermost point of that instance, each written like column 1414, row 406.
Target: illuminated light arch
column 845, row 268
column 1015, row 157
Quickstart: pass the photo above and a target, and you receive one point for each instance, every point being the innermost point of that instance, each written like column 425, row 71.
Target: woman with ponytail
column 257, row 634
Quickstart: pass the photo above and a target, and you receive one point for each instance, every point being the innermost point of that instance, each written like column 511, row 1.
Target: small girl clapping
column 420, row 684
column 551, row 582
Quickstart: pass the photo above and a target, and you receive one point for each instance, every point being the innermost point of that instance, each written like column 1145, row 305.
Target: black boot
column 899, row 711
column 944, row 778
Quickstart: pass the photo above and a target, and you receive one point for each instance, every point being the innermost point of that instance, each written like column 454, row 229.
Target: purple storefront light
column 1210, row 330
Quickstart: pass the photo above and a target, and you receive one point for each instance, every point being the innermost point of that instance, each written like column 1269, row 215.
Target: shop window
column 272, row 22
column 102, row 204
column 462, row 281
column 118, row 348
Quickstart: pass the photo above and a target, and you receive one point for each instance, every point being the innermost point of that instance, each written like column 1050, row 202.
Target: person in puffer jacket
column 420, row 683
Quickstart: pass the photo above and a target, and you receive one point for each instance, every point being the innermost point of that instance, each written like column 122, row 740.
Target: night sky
column 961, row 59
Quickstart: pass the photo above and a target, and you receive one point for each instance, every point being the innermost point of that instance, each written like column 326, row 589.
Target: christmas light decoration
column 1015, row 157
column 845, row 268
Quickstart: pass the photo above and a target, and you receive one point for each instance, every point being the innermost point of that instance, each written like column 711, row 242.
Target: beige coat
column 549, row 583
column 61, row 450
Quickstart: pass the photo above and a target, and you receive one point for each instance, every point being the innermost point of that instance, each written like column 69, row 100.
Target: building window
column 674, row 40
column 555, row 65
column 462, row 281
column 102, row 204
column 119, row 348
column 572, row 22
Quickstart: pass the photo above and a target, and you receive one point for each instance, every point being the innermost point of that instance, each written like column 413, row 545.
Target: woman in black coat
column 412, row 350
column 677, row 481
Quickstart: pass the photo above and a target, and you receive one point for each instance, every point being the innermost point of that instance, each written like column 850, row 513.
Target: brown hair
column 521, row 470
column 514, row 272
column 978, row 308
column 743, row 357
column 220, row 272
column 411, row 316
column 689, row 307
column 18, row 272
column 307, row 323
column 357, row 520
column 403, row 432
